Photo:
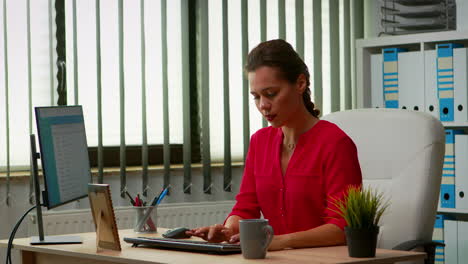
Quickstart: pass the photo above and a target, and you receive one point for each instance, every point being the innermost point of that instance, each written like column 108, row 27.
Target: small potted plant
column 362, row 209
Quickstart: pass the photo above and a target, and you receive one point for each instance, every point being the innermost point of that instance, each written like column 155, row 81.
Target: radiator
column 169, row 215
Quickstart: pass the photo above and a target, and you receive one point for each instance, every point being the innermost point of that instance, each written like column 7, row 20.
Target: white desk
column 86, row 254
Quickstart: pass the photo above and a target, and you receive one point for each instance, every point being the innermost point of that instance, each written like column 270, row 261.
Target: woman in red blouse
column 293, row 166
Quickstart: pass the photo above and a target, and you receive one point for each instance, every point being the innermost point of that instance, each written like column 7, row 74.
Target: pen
column 138, row 200
column 156, row 199
column 131, row 199
column 163, row 194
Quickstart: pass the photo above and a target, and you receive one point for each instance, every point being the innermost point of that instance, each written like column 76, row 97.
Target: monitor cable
column 13, row 233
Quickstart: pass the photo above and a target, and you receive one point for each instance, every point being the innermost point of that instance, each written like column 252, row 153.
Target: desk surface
column 86, row 253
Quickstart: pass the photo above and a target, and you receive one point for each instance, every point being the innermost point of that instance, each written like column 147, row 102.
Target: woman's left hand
column 277, row 243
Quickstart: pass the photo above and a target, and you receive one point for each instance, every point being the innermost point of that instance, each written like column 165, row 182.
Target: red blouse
column 323, row 164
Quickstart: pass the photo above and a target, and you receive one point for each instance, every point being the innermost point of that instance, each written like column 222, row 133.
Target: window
column 127, row 91
column 86, row 73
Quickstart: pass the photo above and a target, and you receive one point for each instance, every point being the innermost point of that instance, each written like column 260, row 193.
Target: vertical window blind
column 162, row 73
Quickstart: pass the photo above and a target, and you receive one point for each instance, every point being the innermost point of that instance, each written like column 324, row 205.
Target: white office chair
column 401, row 153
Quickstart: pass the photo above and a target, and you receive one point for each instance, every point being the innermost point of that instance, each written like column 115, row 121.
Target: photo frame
column 107, row 236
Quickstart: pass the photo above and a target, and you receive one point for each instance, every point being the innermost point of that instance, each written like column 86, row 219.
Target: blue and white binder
column 451, row 242
column 445, row 84
column 376, row 81
column 438, row 236
column 462, row 242
column 431, row 99
column 447, row 188
column 461, row 171
column 411, row 80
column 460, row 84
column 390, row 76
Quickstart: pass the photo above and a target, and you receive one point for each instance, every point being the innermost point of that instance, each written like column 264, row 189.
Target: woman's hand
column 235, row 239
column 219, row 233
column 215, row 233
column 277, row 243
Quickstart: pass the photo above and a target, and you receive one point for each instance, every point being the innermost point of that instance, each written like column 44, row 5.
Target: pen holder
column 145, row 219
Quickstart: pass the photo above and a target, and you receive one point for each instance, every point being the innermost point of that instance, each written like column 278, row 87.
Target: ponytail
column 309, row 104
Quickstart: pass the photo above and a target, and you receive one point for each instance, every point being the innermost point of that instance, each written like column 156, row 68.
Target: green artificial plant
column 361, row 207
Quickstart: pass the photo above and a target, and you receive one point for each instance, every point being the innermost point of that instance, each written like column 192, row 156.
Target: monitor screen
column 64, row 154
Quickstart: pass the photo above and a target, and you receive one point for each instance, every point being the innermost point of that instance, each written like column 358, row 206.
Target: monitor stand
column 41, row 239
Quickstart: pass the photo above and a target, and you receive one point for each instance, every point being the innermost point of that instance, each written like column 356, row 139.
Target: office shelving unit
column 452, row 211
column 414, row 42
column 455, row 124
column 422, row 42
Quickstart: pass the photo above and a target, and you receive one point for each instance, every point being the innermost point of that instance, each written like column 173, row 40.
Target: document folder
column 411, row 80
column 462, row 242
column 445, row 84
column 431, row 99
column 460, row 61
column 377, row 98
column 438, row 236
column 447, row 188
column 390, row 76
column 451, row 241
column 461, row 171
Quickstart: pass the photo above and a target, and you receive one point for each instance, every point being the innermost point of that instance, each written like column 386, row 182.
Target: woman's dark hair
column 281, row 55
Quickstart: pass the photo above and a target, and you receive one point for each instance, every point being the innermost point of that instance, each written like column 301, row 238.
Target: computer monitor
column 64, row 158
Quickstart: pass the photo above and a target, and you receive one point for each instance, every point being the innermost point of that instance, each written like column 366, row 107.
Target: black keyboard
column 185, row 245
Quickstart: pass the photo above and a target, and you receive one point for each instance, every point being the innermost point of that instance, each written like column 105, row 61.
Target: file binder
column 411, row 80
column 431, row 100
column 447, row 188
column 451, row 241
column 439, row 256
column 461, row 171
column 460, row 58
column 445, row 84
column 390, row 76
column 462, row 242
column 438, row 236
column 377, row 81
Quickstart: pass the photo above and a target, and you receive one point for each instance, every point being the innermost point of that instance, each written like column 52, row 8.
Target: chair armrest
column 429, row 248
column 412, row 244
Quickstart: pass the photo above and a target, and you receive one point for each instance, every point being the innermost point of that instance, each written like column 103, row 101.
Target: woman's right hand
column 214, row 234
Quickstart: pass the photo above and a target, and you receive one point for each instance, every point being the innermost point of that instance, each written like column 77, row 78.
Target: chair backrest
column 401, row 153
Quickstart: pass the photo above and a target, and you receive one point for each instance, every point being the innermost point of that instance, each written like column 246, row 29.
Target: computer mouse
column 178, row 232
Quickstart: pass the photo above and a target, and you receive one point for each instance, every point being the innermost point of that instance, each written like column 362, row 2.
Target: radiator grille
column 169, row 215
